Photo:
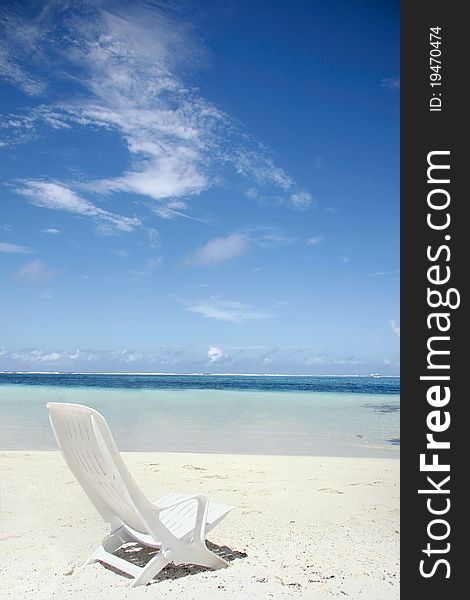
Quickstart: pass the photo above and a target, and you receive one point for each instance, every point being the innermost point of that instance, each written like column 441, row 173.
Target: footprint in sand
column 214, row 477
column 154, row 467
column 330, row 490
column 193, row 468
column 257, row 493
column 370, row 483
column 71, row 570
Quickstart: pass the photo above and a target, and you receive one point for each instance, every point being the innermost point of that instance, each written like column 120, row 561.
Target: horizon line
column 193, row 374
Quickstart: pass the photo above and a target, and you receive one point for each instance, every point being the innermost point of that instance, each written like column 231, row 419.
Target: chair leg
column 207, row 558
column 116, row 540
column 112, row 543
column 154, row 566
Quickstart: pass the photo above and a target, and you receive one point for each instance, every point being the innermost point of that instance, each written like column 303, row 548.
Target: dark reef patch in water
column 383, row 408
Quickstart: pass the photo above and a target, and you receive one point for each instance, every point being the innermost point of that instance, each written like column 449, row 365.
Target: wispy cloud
column 266, row 236
column 56, row 196
column 395, row 327
column 35, row 271
column 152, row 263
column 41, row 357
column 127, row 356
column 7, row 248
column 51, row 230
column 219, row 250
column 391, row 84
column 302, row 200
column 174, row 210
column 225, row 310
column 15, row 46
column 384, row 273
column 128, row 59
column 314, row 241
column 325, row 360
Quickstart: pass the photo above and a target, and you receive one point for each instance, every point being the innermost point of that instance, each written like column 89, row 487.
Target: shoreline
column 311, row 527
column 382, row 453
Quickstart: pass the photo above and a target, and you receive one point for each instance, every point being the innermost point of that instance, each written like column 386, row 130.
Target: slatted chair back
column 88, row 447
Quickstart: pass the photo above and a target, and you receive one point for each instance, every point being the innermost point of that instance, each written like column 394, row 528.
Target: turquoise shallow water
column 252, row 419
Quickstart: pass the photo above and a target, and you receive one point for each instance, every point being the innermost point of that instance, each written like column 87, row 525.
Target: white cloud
column 36, row 356
column 323, row 360
column 391, row 84
column 35, row 272
column 40, row 356
column 243, row 358
column 51, row 230
column 382, row 273
column 266, row 236
column 395, row 327
column 225, row 310
column 19, row 41
column 168, row 172
column 12, row 72
column 152, row 263
column 301, row 200
column 220, row 249
column 215, row 354
column 252, row 162
column 174, row 210
column 128, row 59
column 314, row 360
column 314, row 241
column 56, row 196
column 127, row 356
column 7, row 248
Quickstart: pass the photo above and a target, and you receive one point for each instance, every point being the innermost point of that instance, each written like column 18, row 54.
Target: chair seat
column 180, row 519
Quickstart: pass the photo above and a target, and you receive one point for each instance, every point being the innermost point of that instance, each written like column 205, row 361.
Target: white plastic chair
column 176, row 524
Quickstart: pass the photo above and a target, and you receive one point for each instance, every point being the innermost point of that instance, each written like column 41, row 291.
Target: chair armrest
column 201, row 514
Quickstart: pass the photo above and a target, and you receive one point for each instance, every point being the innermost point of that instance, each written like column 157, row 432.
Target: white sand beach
column 305, row 527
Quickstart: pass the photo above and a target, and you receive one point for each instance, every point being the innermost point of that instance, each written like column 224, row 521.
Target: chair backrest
column 88, row 448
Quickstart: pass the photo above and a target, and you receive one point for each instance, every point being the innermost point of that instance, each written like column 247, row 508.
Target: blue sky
column 194, row 187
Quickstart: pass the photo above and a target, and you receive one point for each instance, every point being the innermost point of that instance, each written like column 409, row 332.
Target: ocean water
column 334, row 416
